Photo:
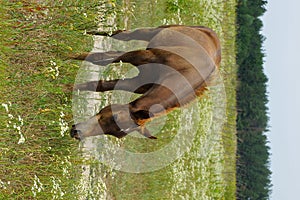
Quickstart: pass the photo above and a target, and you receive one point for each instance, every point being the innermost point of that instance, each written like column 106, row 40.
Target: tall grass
column 38, row 159
column 209, row 177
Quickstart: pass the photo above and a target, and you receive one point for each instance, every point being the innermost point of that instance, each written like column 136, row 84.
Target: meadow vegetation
column 38, row 158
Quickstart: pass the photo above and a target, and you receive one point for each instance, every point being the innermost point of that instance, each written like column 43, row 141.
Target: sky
column 282, row 48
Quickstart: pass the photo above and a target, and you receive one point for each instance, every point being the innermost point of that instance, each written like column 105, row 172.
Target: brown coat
column 174, row 69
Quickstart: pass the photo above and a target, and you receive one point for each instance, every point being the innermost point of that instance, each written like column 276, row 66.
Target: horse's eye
column 115, row 117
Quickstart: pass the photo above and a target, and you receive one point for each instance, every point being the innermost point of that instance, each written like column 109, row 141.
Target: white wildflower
column 2, row 185
column 63, row 124
column 56, row 71
column 52, row 63
column 37, row 186
column 22, row 139
column 21, row 120
column 18, row 125
column 56, row 189
column 65, row 171
column 53, row 70
column 62, row 114
column 5, row 107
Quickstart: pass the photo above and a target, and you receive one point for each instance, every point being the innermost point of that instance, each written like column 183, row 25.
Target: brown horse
column 175, row 68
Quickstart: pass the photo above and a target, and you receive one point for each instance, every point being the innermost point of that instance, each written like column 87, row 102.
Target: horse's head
column 113, row 120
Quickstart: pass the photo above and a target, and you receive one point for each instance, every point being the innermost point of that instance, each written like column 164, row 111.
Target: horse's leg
column 135, row 84
column 139, row 57
column 136, row 58
column 145, row 34
column 131, row 85
column 99, row 58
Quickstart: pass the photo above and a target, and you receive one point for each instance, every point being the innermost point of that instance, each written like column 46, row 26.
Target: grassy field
column 38, row 158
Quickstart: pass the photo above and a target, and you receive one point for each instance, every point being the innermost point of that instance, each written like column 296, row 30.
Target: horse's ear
column 143, row 114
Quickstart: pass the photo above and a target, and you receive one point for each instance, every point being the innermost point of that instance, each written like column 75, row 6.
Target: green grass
column 203, row 175
column 37, row 39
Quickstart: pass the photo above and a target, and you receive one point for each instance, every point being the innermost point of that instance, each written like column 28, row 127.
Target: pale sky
column 282, row 66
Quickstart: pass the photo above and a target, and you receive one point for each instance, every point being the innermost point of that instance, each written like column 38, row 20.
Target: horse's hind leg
column 138, row 57
column 107, row 57
column 145, row 34
column 99, row 58
column 130, row 84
